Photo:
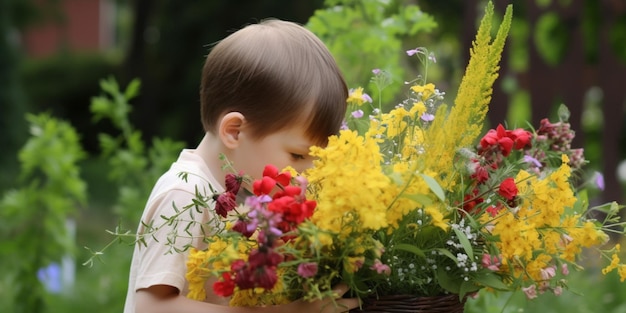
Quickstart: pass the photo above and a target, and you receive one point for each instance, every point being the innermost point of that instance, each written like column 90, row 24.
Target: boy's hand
column 326, row 305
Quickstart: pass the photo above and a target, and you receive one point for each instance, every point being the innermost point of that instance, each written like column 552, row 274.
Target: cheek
column 302, row 165
column 253, row 162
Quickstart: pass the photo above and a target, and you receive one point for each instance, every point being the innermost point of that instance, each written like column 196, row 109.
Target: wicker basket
column 413, row 304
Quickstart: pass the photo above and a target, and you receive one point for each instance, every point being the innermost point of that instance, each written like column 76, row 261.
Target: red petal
column 270, row 170
column 263, row 186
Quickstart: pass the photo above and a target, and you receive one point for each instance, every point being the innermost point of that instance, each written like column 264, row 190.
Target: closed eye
column 296, row 156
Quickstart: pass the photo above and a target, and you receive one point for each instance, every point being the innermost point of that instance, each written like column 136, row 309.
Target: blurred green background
column 98, row 96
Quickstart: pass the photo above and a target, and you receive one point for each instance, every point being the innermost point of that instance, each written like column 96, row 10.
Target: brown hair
column 276, row 74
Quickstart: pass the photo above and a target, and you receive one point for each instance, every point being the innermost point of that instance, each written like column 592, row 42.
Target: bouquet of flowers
column 414, row 199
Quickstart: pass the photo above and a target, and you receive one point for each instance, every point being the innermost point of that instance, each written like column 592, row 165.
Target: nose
column 305, row 164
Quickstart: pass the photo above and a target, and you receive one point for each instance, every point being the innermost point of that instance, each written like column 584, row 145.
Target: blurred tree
column 14, row 16
column 13, row 132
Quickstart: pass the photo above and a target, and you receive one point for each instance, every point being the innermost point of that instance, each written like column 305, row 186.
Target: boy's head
column 277, row 74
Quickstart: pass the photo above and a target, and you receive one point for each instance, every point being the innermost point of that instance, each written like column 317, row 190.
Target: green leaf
column 410, row 248
column 467, row 246
column 582, row 201
column 447, row 282
column 491, row 280
column 110, row 86
column 434, row 186
column 132, row 90
column 610, row 209
column 563, row 113
column 467, row 287
column 448, row 254
column 419, row 198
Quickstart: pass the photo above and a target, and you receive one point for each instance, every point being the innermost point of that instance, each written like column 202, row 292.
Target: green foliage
column 33, row 217
column 63, row 84
column 133, row 166
column 551, row 38
column 593, row 292
column 368, row 34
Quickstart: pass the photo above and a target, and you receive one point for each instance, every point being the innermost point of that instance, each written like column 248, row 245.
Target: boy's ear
column 229, row 129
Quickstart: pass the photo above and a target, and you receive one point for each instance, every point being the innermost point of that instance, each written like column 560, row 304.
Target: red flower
column 471, row 200
column 233, row 182
column 521, row 137
column 508, row 189
column 242, row 227
column 271, row 171
column 225, row 287
column 480, row 174
column 224, row 203
column 266, row 277
column 263, row 186
column 506, row 140
column 493, row 210
column 288, row 191
column 258, row 259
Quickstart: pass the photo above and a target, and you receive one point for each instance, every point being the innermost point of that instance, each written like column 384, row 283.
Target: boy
column 269, row 91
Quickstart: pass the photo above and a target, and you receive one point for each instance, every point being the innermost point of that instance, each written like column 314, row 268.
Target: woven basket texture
column 412, row 304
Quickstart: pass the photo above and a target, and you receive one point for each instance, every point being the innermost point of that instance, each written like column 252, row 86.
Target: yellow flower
column 621, row 270
column 426, row 90
column 356, row 96
column 196, row 274
column 437, row 217
column 349, row 184
column 353, row 264
column 418, row 109
column 614, row 264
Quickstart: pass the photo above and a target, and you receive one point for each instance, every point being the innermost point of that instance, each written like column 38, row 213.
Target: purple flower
column 307, row 270
column 344, row 125
column 366, row 98
column 357, row 114
column 530, row 159
column 427, row 117
column 599, row 180
column 50, row 277
column 376, row 71
column 412, row 52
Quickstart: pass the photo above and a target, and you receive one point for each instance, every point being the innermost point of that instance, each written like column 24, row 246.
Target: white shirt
column 156, row 263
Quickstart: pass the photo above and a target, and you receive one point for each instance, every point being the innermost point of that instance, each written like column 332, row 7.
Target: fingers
column 341, row 289
column 345, row 305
